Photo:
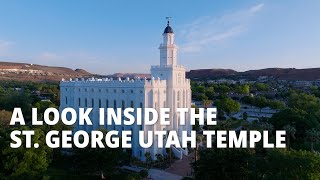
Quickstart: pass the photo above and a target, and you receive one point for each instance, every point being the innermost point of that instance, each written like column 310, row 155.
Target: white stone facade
column 168, row 88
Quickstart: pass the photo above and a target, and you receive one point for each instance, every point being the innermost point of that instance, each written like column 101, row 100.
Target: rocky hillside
column 278, row 73
column 34, row 72
column 287, row 73
column 210, row 73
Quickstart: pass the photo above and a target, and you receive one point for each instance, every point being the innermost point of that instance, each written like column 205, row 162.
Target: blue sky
column 123, row 36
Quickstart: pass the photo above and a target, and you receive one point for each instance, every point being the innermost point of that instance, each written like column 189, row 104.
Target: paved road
column 182, row 167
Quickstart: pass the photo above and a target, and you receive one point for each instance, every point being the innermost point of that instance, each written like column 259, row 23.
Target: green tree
column 315, row 91
column 290, row 133
column 245, row 116
column 200, row 89
column 209, row 92
column 228, row 105
column 43, row 105
column 267, row 126
column 276, row 104
column 287, row 165
column 196, row 127
column 199, row 139
column 94, row 160
column 313, row 136
column 25, row 162
column 5, row 117
column 300, row 118
column 261, row 87
column 206, row 103
column 222, row 89
column 223, row 163
column 12, row 99
column 148, row 157
column 243, row 89
column 306, row 102
column 261, row 102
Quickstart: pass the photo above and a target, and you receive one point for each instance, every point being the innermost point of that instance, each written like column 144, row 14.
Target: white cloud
column 208, row 30
column 256, row 8
column 48, row 56
column 5, row 46
column 72, row 59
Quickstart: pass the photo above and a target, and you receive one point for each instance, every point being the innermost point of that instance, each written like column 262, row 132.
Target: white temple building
column 168, row 88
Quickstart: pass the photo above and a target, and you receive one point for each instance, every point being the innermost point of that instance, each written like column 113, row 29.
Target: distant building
column 225, row 81
column 263, row 78
column 254, row 113
column 303, row 83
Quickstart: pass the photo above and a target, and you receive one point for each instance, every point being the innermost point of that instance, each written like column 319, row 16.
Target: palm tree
column 268, row 127
column 290, row 132
column 245, row 116
column 170, row 150
column 148, row 159
column 206, row 103
column 199, row 139
column 246, row 124
column 313, row 136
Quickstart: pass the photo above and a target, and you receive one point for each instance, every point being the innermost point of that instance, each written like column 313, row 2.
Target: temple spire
column 168, row 29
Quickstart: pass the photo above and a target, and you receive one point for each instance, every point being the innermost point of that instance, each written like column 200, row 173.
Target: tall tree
column 5, row 117
column 290, row 133
column 284, row 164
column 299, row 118
column 228, row 105
column 306, row 102
column 313, row 136
column 223, row 164
column 25, row 162
column 206, row 103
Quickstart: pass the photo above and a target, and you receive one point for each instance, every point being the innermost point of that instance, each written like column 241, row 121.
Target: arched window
column 179, row 78
column 178, row 98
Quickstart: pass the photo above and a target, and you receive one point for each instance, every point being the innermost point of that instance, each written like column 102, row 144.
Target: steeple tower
column 168, row 50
